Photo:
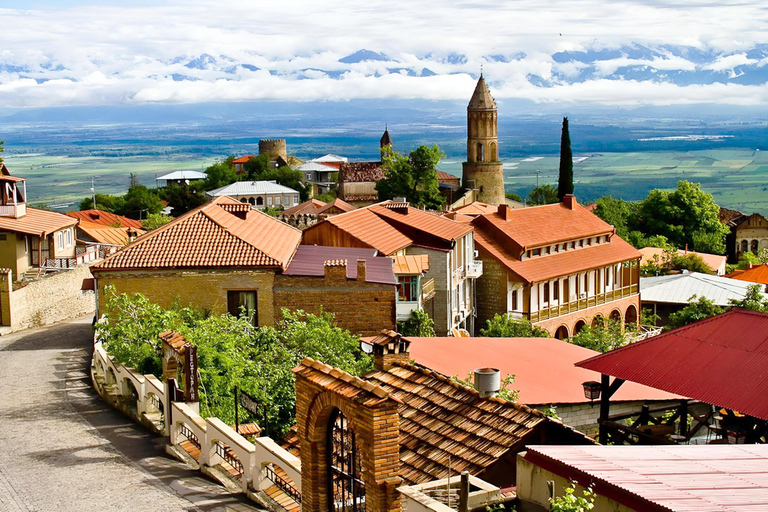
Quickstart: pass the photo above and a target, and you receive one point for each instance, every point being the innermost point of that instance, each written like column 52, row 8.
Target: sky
column 81, row 52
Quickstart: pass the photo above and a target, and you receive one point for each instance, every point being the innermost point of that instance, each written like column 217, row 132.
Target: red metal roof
column 722, row 360
column 543, row 367
column 309, row 261
column 757, row 274
column 681, row 478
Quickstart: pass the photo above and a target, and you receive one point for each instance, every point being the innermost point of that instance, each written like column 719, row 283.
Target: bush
column 505, row 326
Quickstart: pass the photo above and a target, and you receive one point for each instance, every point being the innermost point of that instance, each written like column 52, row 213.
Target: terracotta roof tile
column 370, row 229
column 477, row 208
column 353, row 388
column 105, row 219
column 756, row 274
column 211, row 236
column 243, row 159
column 337, row 204
column 307, row 207
column 540, row 268
column 425, row 222
column 174, row 340
column 107, row 235
column 37, row 222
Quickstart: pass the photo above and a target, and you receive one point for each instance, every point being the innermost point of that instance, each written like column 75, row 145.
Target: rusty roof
column 543, row 367
column 106, row 219
column 411, row 264
column 174, row 340
column 730, row 217
column 722, row 360
column 360, row 172
column 211, row 236
column 309, row 260
column 441, row 419
column 353, row 388
column 540, row 268
column 756, row 274
column 107, row 235
column 37, row 222
column 546, row 224
column 712, row 478
column 445, row 177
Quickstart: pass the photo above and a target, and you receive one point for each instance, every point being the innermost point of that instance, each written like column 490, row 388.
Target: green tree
column 183, row 197
column 620, row 214
column 418, row 325
column 104, row 202
column 543, row 194
column 687, row 217
column 505, row 326
column 2, row 149
column 605, row 335
column 690, row 262
column 155, row 220
column 287, row 177
column 413, row 177
column 753, row 299
column 220, row 174
column 698, row 308
column 570, row 502
column 139, row 202
column 565, row 180
column 256, row 166
column 514, row 197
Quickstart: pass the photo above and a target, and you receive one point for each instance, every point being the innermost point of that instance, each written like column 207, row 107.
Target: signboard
column 249, row 403
column 190, row 375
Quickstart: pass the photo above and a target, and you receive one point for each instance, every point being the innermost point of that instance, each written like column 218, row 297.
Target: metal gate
column 347, row 490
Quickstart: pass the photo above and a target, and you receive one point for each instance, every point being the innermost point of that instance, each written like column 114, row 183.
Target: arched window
column 754, row 246
column 494, row 155
column 252, row 200
column 259, row 201
column 744, row 246
column 479, row 152
column 347, row 490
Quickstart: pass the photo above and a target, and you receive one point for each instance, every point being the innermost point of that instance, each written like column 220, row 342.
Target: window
column 259, row 201
column 309, row 177
column 546, row 292
column 61, row 239
column 269, row 201
column 555, row 291
column 69, row 238
column 408, row 289
column 295, row 200
column 287, row 200
column 573, row 245
column 514, row 300
column 277, row 200
column 536, row 252
column 241, row 302
column 581, row 243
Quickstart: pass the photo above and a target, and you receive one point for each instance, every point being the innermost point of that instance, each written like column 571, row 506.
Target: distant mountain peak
column 364, row 55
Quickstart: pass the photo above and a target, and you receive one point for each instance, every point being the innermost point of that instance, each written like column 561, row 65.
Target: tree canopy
column 565, row 179
column 543, row 194
column 413, row 177
column 505, row 326
column 605, row 335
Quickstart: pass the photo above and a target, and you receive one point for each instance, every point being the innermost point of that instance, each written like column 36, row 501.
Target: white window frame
column 61, row 239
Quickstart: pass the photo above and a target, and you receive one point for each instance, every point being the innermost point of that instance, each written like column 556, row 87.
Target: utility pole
column 537, row 177
column 93, row 190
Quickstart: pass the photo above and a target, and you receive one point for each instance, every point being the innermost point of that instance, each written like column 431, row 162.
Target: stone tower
column 482, row 170
column 385, row 144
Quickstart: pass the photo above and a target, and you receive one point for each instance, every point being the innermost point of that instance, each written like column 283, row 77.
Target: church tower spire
column 483, row 170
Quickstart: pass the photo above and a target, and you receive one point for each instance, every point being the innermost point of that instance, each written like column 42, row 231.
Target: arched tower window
column 479, row 150
column 494, row 153
column 347, row 490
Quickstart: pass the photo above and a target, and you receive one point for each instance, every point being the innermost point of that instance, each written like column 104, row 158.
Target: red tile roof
column 444, row 177
column 107, row 235
column 37, row 222
column 540, row 268
column 309, row 261
column 713, row 478
column 220, row 234
column 543, row 367
column 310, row 206
column 337, row 204
column 243, row 159
column 105, row 219
column 722, row 360
column 756, row 274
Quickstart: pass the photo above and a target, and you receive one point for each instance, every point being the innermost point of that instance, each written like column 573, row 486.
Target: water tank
column 487, row 381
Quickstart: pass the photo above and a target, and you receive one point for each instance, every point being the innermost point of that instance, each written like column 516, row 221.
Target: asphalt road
column 63, row 449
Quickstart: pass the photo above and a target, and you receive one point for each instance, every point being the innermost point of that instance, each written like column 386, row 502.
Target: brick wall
column 587, row 315
column 52, row 299
column 440, row 271
column 358, row 306
column 205, row 289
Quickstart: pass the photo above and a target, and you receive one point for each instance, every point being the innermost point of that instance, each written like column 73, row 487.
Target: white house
column 260, row 194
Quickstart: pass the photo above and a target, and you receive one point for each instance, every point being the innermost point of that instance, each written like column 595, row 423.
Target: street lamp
column 592, row 390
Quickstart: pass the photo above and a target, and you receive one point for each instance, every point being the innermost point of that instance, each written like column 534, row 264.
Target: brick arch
column 561, row 332
column 579, row 325
column 616, row 315
column 597, row 320
column 631, row 316
column 320, row 412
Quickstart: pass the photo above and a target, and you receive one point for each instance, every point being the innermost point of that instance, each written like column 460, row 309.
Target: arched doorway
column 579, row 326
column 561, row 333
column 744, row 246
column 494, row 156
column 754, row 246
column 598, row 320
column 616, row 315
column 346, row 487
column 631, row 317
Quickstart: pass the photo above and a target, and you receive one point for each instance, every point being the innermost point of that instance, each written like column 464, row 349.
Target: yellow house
column 220, row 257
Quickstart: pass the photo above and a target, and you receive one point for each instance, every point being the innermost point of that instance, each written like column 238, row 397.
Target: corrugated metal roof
column 184, row 175
column 679, row 288
column 722, row 360
column 241, row 188
column 107, row 235
column 309, row 261
column 756, row 274
column 713, row 478
column 411, row 264
column 330, row 158
column 317, row 166
column 37, row 222
column 543, row 367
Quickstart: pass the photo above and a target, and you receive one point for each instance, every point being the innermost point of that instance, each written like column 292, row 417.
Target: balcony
column 404, row 309
column 474, row 269
column 459, row 275
column 427, row 289
column 13, row 210
column 545, row 313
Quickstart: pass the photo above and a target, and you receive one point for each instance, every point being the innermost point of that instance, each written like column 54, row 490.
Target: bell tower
column 483, row 171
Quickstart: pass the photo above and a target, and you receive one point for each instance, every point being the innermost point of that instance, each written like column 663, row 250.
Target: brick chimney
column 389, row 347
column 361, row 271
column 335, row 271
column 569, row 200
column 504, row 211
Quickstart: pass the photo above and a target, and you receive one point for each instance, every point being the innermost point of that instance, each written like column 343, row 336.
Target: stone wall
column 204, row 289
column 440, row 271
column 53, row 298
column 491, row 291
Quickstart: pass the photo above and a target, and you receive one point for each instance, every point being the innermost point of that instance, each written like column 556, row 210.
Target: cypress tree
column 565, row 181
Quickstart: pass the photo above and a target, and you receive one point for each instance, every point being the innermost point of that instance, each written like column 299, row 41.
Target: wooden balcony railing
column 548, row 312
column 427, row 289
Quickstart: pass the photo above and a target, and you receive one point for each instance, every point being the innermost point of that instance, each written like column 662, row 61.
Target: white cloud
column 115, row 53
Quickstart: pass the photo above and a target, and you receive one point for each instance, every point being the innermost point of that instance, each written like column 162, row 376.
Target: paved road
column 63, row 449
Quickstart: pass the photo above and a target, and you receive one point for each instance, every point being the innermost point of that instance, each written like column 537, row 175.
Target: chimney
column 388, row 348
column 398, row 204
column 487, row 381
column 361, row 271
column 569, row 200
column 335, row 271
column 504, row 211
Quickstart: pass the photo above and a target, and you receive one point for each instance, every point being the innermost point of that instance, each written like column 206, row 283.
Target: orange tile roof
column 443, row 176
column 212, row 236
column 243, row 159
column 713, row 261
column 441, row 419
column 174, row 340
column 105, row 218
column 547, row 224
column 476, row 208
column 339, row 204
column 370, row 229
column 107, row 235
column 37, row 222
column 411, row 264
column 307, row 207
column 435, row 225
column 756, row 274
column 353, row 388
column 537, row 269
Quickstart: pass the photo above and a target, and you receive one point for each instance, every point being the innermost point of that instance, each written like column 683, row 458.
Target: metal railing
column 475, row 269
column 548, row 312
column 187, row 433
column 13, row 210
column 459, row 275
column 226, row 454
column 288, row 488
